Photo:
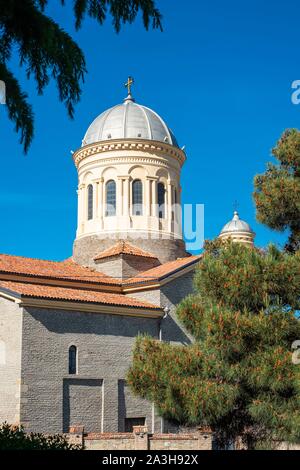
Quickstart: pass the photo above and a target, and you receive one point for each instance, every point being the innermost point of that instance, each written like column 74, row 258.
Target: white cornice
column 150, row 146
column 134, row 159
column 92, row 308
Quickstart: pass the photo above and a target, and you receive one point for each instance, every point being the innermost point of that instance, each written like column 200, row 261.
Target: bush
column 15, row 438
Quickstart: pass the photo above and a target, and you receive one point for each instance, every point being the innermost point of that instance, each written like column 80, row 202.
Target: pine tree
column 277, row 191
column 47, row 51
column 238, row 376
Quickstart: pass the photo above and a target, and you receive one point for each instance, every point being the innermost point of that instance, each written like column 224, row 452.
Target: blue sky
column 220, row 75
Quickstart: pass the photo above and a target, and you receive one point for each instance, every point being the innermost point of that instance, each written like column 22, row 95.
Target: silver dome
column 129, row 120
column 236, row 225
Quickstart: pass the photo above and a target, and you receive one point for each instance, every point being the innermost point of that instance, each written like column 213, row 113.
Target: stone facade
column 168, row 296
column 86, row 248
column 124, row 266
column 10, row 363
column 142, row 439
column 44, row 397
column 96, row 397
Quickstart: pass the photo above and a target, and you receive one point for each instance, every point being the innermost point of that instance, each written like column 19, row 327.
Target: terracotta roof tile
column 162, row 271
column 79, row 295
column 52, row 269
column 69, row 271
column 124, row 248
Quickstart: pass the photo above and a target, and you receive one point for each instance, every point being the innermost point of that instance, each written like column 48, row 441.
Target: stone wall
column 132, row 265
column 109, row 441
column 125, row 266
column 200, row 441
column 10, row 361
column 96, row 398
column 170, row 295
column 141, row 439
column 85, row 249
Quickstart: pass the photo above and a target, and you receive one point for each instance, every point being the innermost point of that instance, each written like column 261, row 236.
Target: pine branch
column 19, row 110
column 47, row 51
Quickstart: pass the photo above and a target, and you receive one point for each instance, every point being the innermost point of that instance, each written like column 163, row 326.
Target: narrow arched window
column 90, row 202
column 137, row 197
column 72, row 360
column 110, row 198
column 161, row 200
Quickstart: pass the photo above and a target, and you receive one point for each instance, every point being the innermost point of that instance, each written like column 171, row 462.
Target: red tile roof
column 39, row 291
column 71, row 272
column 52, row 269
column 160, row 272
column 124, row 248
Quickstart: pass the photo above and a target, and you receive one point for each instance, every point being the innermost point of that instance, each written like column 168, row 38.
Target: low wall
column 109, row 441
column 141, row 439
column 197, row 441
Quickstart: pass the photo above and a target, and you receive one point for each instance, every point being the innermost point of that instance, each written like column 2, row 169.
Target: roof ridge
column 34, row 259
column 153, row 273
column 123, row 247
column 39, row 268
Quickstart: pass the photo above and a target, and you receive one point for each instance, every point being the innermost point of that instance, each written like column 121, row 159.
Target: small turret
column 238, row 231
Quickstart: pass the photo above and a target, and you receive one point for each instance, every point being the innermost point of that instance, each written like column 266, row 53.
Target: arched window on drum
column 137, row 197
column 161, row 197
column 111, row 200
column 90, row 201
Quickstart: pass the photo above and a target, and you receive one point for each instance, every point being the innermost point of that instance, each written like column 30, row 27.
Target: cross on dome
column 128, row 84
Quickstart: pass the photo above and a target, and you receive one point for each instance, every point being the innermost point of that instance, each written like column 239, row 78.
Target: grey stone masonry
column 85, row 249
column 169, row 296
column 82, row 403
column 53, row 400
column 10, row 361
column 124, row 266
column 131, row 406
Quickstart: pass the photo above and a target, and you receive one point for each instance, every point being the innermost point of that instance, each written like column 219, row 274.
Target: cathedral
column 67, row 328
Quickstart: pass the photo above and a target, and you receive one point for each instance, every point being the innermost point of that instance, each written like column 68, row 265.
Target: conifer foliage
column 277, row 191
column 238, row 376
column 47, row 52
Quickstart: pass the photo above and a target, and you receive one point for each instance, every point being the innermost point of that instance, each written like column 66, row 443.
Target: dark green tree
column 277, row 191
column 238, row 376
column 15, row 438
column 48, row 52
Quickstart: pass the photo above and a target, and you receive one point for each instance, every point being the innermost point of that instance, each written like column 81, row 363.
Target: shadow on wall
column 172, row 331
column 171, row 295
column 62, row 322
column 132, row 410
column 82, row 403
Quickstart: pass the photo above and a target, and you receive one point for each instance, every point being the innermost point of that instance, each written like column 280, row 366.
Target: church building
column 67, row 328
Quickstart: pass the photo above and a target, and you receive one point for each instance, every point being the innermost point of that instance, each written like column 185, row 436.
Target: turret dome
column 129, row 120
column 238, row 230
